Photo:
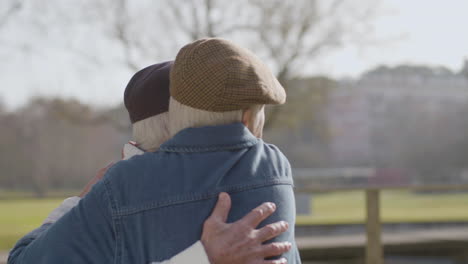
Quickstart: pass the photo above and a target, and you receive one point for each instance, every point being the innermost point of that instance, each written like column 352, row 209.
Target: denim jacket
column 152, row 206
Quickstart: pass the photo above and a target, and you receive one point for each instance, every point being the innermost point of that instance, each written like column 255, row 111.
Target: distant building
column 366, row 116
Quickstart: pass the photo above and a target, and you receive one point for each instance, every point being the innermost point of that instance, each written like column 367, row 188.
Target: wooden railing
column 374, row 246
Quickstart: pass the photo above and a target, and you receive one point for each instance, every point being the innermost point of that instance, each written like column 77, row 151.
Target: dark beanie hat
column 147, row 93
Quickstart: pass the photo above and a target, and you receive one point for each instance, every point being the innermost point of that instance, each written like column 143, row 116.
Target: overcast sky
column 430, row 32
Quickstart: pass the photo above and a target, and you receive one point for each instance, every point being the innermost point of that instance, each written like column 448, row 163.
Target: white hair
column 182, row 116
column 151, row 132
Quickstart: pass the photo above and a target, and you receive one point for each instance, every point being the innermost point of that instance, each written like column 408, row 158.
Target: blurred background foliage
column 408, row 121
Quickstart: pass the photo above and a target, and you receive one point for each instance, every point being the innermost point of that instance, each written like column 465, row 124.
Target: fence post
column 374, row 251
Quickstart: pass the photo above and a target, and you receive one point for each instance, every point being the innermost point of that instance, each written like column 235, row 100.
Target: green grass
column 396, row 206
column 19, row 216
column 16, row 194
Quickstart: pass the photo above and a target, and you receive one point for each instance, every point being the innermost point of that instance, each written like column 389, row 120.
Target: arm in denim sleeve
column 196, row 252
column 83, row 235
column 25, row 241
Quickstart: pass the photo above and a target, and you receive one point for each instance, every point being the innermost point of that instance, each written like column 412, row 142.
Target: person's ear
column 253, row 123
column 247, row 117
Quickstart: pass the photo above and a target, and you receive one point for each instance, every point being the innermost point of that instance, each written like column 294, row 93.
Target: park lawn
column 19, row 216
column 396, row 206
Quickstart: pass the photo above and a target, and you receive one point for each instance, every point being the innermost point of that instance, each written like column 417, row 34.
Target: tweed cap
column 216, row 75
column 147, row 92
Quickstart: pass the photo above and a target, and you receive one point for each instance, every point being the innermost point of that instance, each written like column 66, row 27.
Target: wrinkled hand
column 240, row 242
column 95, row 179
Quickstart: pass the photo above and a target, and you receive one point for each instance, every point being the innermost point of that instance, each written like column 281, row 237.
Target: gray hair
column 182, row 116
column 151, row 132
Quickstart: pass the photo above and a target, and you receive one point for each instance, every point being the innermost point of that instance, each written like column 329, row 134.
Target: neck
column 182, row 116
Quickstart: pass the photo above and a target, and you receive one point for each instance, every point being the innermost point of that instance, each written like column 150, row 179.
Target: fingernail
column 284, row 224
column 283, row 261
column 221, row 196
column 272, row 206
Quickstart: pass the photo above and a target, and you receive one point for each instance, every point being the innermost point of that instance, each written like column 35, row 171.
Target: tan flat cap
column 216, row 75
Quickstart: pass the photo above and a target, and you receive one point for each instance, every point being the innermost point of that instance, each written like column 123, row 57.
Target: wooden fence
column 374, row 246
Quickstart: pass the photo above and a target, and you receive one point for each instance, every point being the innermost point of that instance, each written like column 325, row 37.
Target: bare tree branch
column 121, row 32
column 179, row 18
column 290, row 33
column 209, row 21
column 13, row 6
column 334, row 7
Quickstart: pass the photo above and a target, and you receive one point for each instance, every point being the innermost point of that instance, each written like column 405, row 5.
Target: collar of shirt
column 211, row 138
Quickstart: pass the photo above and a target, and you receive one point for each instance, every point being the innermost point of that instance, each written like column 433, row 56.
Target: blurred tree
column 402, row 72
column 83, row 115
column 41, row 150
column 8, row 8
column 304, row 119
column 2, row 106
column 288, row 34
column 420, row 132
column 464, row 70
column 10, row 152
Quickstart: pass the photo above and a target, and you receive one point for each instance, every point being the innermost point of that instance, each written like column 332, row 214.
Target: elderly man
column 147, row 98
column 216, row 113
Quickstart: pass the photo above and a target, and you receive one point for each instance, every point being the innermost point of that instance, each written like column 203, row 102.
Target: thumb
column 222, row 207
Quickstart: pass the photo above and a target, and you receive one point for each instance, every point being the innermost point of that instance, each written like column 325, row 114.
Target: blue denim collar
column 210, row 138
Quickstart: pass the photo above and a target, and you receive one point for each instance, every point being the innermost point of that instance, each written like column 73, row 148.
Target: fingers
column 276, row 261
column 275, row 249
column 222, row 207
column 103, row 171
column 272, row 230
column 258, row 214
column 109, row 165
column 100, row 174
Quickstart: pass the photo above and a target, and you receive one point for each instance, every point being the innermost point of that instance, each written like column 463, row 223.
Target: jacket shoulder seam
column 190, row 197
